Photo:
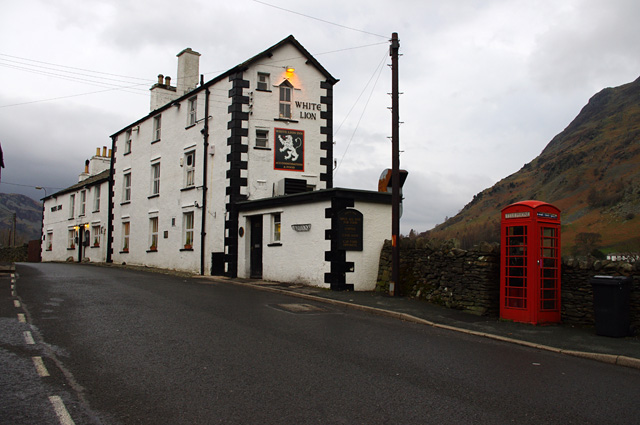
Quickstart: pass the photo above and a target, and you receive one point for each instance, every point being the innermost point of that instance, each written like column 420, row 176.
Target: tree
column 586, row 243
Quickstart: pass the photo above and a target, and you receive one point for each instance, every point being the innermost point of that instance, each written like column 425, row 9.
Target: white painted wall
column 300, row 258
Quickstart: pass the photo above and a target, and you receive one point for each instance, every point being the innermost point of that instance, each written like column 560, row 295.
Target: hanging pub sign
column 349, row 230
column 289, row 151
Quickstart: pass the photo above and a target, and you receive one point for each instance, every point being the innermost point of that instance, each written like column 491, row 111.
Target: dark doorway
column 217, row 264
column 256, row 247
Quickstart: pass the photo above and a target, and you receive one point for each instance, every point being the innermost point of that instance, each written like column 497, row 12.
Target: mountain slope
column 28, row 218
column 591, row 171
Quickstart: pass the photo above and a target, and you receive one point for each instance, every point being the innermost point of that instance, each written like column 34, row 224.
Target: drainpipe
column 205, row 160
column 109, row 240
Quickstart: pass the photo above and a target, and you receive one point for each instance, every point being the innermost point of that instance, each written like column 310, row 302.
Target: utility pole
column 395, row 167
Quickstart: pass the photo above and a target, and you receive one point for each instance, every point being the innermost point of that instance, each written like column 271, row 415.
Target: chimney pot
column 160, row 78
column 97, row 151
column 104, row 151
column 167, row 81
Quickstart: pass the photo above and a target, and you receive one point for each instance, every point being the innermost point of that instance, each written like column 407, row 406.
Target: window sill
column 125, row 203
column 285, row 120
column 124, row 252
column 126, row 153
column 49, row 249
column 265, row 90
column 152, row 250
column 155, row 141
column 189, row 126
column 153, row 196
column 73, row 248
column 185, row 189
column 262, row 148
column 186, row 249
column 275, row 244
column 95, row 246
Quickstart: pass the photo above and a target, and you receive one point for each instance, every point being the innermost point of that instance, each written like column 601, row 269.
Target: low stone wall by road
column 470, row 280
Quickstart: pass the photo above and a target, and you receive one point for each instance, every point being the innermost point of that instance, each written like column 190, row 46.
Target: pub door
column 255, row 252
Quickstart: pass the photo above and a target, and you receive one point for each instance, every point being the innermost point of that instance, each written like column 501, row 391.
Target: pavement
column 559, row 338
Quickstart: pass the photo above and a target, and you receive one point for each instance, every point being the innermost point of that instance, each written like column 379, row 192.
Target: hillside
column 591, row 171
column 28, row 218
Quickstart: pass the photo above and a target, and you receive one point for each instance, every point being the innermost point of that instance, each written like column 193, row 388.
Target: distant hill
column 28, row 218
column 591, row 171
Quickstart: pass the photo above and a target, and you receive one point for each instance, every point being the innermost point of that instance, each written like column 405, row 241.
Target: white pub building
column 234, row 177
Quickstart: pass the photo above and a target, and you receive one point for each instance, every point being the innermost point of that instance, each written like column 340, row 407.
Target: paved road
column 127, row 347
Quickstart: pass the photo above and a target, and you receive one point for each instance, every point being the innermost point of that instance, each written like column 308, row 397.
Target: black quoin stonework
column 337, row 258
column 327, row 145
column 236, row 165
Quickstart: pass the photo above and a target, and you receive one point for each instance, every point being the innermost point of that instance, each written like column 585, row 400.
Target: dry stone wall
column 470, row 279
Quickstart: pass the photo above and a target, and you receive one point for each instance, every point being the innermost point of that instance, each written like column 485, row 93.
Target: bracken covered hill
column 591, row 171
column 28, row 218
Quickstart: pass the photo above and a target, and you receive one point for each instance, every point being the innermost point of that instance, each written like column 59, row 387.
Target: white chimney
column 188, row 70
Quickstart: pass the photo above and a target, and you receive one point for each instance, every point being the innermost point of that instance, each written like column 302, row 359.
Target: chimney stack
column 188, row 70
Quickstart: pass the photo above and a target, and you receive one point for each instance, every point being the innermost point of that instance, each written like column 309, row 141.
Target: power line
column 321, row 20
column 378, row 70
column 70, row 67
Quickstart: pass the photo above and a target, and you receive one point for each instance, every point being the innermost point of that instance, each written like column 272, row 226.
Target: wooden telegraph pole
column 395, row 167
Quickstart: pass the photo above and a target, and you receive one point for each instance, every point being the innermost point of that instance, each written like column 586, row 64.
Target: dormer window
column 286, row 90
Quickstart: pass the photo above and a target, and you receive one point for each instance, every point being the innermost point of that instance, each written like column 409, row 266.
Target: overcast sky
column 486, row 84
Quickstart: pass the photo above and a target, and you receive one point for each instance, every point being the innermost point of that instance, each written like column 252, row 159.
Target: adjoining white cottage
column 75, row 219
column 234, row 177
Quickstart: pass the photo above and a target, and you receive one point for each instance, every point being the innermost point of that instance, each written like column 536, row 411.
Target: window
column 187, row 220
column 275, row 226
column 126, row 228
column 49, row 241
column 155, row 179
column 126, row 187
column 95, row 232
column 72, row 205
column 83, row 202
column 157, row 124
column 153, row 234
column 71, row 239
column 193, row 107
column 189, row 168
column 263, row 81
column 96, row 199
column 127, row 142
column 285, row 100
column 262, row 138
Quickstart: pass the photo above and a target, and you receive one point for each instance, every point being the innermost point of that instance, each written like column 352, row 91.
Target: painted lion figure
column 290, row 146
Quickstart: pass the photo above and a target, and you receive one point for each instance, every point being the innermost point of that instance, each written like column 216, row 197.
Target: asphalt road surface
column 129, row 347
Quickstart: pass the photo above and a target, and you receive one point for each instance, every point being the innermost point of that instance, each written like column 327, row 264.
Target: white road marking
column 40, row 367
column 21, row 318
column 28, row 338
column 17, row 304
column 61, row 410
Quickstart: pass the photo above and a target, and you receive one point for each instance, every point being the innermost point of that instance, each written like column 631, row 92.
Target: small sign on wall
column 349, row 230
column 289, row 152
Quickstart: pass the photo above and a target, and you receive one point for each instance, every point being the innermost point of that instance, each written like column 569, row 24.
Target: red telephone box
column 530, row 263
